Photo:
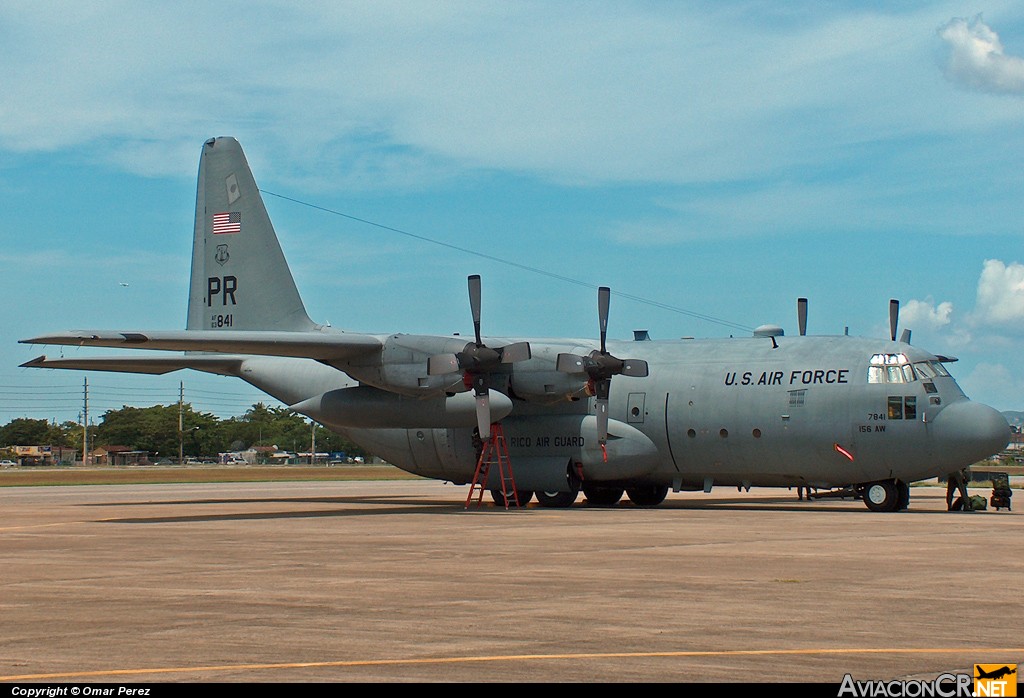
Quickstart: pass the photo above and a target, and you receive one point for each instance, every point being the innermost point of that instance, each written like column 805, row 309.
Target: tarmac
column 399, row 582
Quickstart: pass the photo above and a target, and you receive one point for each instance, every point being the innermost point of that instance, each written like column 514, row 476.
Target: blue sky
column 721, row 158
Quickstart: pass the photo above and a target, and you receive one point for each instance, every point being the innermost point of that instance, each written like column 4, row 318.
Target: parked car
column 7, row 464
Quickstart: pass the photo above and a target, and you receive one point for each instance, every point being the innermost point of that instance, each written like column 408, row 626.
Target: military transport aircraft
column 768, row 410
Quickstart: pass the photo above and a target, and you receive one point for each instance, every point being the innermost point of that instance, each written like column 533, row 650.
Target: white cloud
column 977, row 60
column 577, row 93
column 926, row 314
column 1000, row 298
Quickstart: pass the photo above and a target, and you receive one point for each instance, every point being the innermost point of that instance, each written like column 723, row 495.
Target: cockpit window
column 928, row 370
column 896, row 368
column 924, row 369
column 890, row 368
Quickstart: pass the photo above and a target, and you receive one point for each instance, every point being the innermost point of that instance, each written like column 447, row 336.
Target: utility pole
column 181, row 422
column 312, row 442
column 85, row 423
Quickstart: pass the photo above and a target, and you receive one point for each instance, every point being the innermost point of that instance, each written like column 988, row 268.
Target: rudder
column 240, row 278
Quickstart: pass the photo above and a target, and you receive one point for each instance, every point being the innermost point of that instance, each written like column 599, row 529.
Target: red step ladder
column 494, row 451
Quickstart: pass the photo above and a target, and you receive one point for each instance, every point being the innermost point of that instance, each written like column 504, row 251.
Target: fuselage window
column 909, row 407
column 896, row 407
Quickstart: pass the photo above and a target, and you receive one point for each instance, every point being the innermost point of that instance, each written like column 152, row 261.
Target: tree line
column 155, row 429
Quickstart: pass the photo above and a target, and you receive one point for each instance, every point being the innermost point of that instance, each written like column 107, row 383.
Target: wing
column 153, row 365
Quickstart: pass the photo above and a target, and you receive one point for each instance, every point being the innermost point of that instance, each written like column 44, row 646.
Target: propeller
column 894, row 316
column 600, row 366
column 801, row 314
column 478, row 362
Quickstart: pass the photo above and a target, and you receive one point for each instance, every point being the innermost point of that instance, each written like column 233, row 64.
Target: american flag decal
column 224, row 223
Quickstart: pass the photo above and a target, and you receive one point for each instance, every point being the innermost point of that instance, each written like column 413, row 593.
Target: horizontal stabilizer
column 323, row 346
column 157, row 366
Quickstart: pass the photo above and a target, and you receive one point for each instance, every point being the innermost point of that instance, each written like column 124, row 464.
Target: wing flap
column 324, row 346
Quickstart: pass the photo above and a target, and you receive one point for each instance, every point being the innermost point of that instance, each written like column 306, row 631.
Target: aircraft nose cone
column 968, row 432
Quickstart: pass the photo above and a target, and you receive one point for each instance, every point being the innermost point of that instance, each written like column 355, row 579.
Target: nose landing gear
column 886, row 495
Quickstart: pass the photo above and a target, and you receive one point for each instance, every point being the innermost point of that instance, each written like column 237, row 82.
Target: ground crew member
column 958, row 481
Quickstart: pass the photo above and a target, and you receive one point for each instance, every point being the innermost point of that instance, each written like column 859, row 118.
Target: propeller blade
column 474, row 304
column 513, row 353
column 905, row 337
column 570, row 363
column 602, row 420
column 604, row 295
column 637, row 368
column 442, row 364
column 894, row 316
column 483, row 414
column 478, row 362
column 600, row 367
column 801, row 314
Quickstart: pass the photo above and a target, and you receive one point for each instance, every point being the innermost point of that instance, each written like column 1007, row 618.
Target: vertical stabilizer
column 240, row 279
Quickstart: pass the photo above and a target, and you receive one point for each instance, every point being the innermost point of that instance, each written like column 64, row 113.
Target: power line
column 64, row 402
column 509, row 262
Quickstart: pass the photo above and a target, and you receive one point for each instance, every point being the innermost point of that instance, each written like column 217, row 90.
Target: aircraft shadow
column 381, row 506
column 390, row 505
column 362, row 499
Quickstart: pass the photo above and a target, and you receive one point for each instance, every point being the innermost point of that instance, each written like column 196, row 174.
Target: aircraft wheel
column 882, row 496
column 524, row 497
column 557, row 500
column 904, row 495
column 599, row 496
column 647, row 495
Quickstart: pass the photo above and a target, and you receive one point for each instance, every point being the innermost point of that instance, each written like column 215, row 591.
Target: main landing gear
column 557, row 500
column 641, row 495
column 647, row 495
column 523, row 497
column 602, row 496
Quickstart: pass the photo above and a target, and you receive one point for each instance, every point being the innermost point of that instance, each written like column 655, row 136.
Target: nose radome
column 970, row 431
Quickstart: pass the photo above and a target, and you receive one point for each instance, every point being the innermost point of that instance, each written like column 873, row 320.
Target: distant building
column 119, row 455
column 42, row 455
column 63, row 455
column 33, row 455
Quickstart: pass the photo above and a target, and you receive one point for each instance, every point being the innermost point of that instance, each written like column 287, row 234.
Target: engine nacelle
column 538, row 379
column 546, row 387
column 369, row 407
column 401, row 366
